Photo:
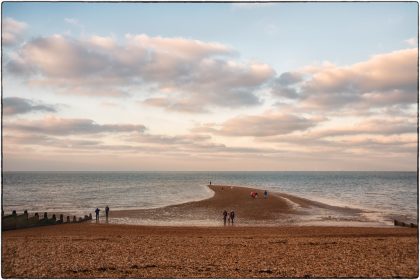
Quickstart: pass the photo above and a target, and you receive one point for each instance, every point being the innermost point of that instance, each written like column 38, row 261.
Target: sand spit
column 277, row 209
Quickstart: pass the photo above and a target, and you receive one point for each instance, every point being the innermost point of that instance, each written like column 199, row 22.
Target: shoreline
column 258, row 245
column 279, row 209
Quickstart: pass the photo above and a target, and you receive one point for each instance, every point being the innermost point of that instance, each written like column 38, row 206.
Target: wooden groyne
column 402, row 224
column 15, row 221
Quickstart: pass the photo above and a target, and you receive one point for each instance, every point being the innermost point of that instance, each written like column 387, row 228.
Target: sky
column 210, row 86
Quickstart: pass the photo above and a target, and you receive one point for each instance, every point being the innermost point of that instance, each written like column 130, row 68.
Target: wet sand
column 277, row 209
column 244, row 250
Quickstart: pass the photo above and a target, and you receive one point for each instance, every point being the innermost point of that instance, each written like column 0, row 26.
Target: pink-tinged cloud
column 12, row 31
column 269, row 124
column 200, row 74
column 372, row 127
column 382, row 80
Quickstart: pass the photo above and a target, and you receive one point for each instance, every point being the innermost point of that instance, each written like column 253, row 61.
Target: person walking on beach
column 265, row 194
column 97, row 214
column 225, row 213
column 232, row 216
column 106, row 212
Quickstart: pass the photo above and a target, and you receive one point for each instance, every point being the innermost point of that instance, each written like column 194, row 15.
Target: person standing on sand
column 106, row 212
column 265, row 194
column 225, row 213
column 97, row 214
column 232, row 216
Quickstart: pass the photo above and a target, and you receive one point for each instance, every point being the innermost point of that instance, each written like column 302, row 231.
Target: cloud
column 269, row 124
column 368, row 137
column 372, row 127
column 12, row 31
column 289, row 78
column 383, row 80
column 198, row 74
column 251, row 5
column 17, row 105
column 62, row 126
column 174, row 104
column 50, row 139
column 412, row 42
column 72, row 21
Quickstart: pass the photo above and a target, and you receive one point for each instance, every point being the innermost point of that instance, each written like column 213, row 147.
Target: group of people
column 106, row 213
column 230, row 217
column 255, row 194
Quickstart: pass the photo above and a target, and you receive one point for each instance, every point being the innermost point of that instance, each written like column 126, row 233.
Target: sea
column 384, row 195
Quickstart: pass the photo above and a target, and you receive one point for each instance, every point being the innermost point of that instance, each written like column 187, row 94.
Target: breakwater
column 16, row 221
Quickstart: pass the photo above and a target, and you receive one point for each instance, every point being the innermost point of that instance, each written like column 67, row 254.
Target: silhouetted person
column 232, row 216
column 97, row 214
column 265, row 194
column 225, row 213
column 106, row 212
column 210, row 183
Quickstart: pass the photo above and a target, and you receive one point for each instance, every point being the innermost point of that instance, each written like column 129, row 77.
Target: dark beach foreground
column 123, row 251
column 126, row 251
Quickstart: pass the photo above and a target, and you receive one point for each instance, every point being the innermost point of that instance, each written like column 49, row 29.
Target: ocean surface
column 383, row 195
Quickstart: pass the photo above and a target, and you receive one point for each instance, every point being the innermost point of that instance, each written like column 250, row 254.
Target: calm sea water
column 386, row 193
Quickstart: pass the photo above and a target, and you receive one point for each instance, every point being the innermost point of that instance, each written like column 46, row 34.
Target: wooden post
column 45, row 215
column 74, row 219
column 68, row 219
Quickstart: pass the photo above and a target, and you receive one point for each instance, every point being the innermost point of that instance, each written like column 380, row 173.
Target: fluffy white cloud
column 12, row 31
column 182, row 73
